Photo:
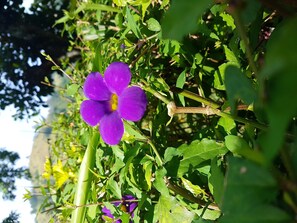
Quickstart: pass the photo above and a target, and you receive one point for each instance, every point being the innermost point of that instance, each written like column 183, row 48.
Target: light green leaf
column 208, row 214
column 114, row 188
column 239, row 146
column 228, row 124
column 219, row 76
column 148, row 166
column 101, row 7
column 170, row 152
column 194, row 189
column 72, row 89
column 153, row 25
column 132, row 24
column 230, row 56
column 168, row 210
column 159, row 182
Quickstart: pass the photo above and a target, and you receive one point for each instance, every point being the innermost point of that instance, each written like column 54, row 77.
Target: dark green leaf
column 197, row 152
column 182, row 18
column 238, row 86
column 279, row 81
column 216, row 181
column 251, row 183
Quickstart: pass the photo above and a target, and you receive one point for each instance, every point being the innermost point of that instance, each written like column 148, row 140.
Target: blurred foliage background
column 226, row 68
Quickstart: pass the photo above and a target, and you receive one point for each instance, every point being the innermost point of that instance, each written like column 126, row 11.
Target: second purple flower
column 110, row 99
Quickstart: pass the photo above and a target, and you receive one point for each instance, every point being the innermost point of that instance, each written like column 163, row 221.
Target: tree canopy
column 23, row 36
column 9, row 173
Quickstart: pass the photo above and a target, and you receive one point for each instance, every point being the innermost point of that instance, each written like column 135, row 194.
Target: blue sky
column 18, row 136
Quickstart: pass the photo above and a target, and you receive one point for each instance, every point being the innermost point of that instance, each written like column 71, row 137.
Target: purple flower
column 127, row 205
column 111, row 100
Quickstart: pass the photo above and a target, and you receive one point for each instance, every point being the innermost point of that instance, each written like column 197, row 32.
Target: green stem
column 159, row 159
column 156, row 94
column 213, row 109
column 84, row 180
column 241, row 120
column 196, row 97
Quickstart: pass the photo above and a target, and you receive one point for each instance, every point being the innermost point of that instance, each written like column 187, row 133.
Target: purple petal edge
column 92, row 111
column 117, row 77
column 111, row 128
column 132, row 104
column 95, row 88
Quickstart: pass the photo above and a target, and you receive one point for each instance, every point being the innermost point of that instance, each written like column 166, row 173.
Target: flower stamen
column 114, row 102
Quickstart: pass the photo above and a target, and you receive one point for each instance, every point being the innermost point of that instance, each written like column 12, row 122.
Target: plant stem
column 196, row 97
column 156, row 94
column 84, row 180
column 172, row 110
column 159, row 159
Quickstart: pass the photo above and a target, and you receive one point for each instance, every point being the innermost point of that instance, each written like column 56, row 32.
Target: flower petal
column 128, row 201
column 92, row 111
column 107, row 212
column 132, row 103
column 95, row 87
column 117, row 77
column 111, row 128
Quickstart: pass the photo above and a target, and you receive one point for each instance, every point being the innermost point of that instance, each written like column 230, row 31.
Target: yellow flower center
column 123, row 208
column 114, row 102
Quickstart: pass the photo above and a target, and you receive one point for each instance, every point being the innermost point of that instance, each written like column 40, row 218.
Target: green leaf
column 72, row 89
column 97, row 62
column 238, row 86
column 279, row 80
column 230, row 56
column 250, row 189
column 114, row 188
column 168, row 210
column 239, row 146
column 182, row 18
column 170, row 152
column 250, row 11
column 180, row 84
column 219, row 76
column 194, row 189
column 159, row 182
column 101, row 7
column 153, row 25
column 132, row 24
column 132, row 132
column 197, row 152
column 228, row 124
column 216, row 181
column 148, row 166
column 208, row 214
